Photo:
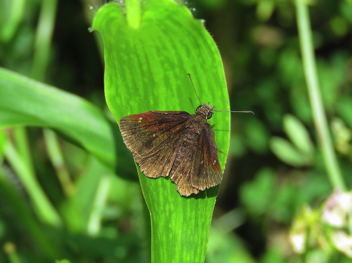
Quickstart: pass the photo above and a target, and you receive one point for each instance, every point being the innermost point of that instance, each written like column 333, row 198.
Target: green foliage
column 299, row 152
column 257, row 195
column 97, row 137
column 68, row 185
column 317, row 234
column 226, row 248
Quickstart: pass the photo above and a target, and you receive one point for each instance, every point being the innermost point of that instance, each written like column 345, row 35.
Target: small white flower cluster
column 325, row 227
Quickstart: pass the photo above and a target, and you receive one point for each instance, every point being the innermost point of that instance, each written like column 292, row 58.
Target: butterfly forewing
column 146, row 133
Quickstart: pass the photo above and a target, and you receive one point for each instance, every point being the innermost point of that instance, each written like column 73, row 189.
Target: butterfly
column 175, row 144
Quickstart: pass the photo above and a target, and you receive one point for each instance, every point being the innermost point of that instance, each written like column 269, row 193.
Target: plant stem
column 8, row 28
column 94, row 222
column 23, row 148
column 44, row 209
column 319, row 118
column 57, row 159
column 43, row 38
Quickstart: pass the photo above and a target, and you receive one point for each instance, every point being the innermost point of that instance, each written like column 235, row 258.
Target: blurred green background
column 273, row 169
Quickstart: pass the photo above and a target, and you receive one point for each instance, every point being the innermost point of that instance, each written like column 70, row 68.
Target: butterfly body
column 175, row 144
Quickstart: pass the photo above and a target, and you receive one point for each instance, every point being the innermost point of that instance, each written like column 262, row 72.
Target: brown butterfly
column 175, row 144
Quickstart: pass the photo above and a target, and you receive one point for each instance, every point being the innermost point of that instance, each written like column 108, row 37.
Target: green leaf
column 146, row 66
column 11, row 16
column 298, row 134
column 286, row 152
column 27, row 102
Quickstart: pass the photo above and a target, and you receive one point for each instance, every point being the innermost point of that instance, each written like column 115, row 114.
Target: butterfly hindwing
column 200, row 169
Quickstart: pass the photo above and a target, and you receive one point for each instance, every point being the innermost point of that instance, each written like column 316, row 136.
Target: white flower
column 337, row 208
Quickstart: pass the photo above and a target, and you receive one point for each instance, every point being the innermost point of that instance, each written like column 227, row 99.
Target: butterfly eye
column 210, row 114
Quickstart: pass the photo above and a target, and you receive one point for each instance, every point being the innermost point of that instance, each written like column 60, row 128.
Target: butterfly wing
column 200, row 169
column 151, row 137
column 209, row 172
column 174, row 144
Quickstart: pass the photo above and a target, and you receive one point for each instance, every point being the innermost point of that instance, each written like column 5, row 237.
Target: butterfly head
column 205, row 110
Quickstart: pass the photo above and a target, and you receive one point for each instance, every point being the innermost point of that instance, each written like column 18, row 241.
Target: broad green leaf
column 27, row 102
column 147, row 57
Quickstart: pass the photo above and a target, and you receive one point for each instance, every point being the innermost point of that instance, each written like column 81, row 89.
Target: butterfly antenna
column 190, row 78
column 189, row 75
column 243, row 111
